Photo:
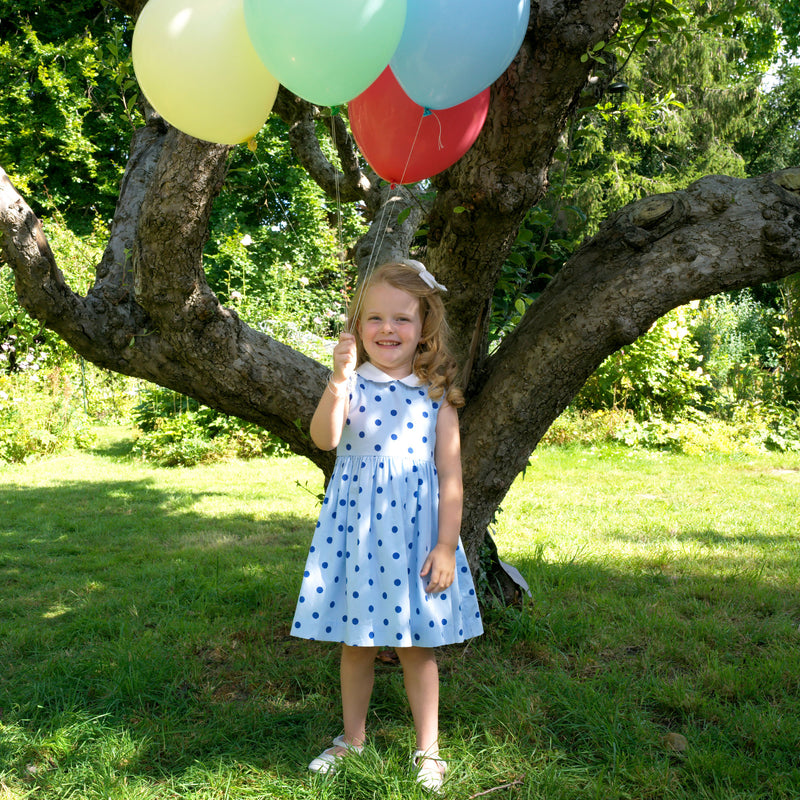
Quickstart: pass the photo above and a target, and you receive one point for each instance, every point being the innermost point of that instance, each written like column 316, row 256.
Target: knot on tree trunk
column 625, row 330
column 780, row 241
column 650, row 219
column 789, row 179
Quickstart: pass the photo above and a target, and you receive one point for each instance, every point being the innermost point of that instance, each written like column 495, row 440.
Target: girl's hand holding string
column 344, row 360
column 329, row 417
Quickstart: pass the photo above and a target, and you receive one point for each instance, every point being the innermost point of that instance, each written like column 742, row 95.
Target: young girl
column 386, row 567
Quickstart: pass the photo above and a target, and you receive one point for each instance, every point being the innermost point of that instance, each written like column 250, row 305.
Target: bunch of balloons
column 414, row 73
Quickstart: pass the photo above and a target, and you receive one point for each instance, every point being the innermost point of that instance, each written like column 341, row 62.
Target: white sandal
column 324, row 763
column 430, row 770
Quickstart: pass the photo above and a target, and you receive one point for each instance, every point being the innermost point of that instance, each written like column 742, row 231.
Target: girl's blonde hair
column 434, row 363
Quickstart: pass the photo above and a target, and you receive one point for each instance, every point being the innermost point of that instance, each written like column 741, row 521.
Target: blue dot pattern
column 379, row 521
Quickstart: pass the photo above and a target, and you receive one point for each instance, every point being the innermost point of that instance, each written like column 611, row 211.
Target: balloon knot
column 427, row 112
column 252, row 144
column 334, row 111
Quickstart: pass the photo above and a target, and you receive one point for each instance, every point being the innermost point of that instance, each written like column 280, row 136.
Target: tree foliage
column 774, row 142
column 277, row 249
column 68, row 105
column 670, row 97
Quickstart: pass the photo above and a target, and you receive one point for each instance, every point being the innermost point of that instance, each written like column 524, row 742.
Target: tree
column 152, row 314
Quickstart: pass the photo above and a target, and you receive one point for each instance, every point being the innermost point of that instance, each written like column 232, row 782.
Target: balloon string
column 377, row 244
column 334, row 112
column 414, row 143
column 439, row 122
column 383, row 229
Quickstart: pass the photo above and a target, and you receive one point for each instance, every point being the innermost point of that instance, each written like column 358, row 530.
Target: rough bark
column 151, row 313
column 505, row 172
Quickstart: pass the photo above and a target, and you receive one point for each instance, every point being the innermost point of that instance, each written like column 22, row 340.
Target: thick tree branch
column 719, row 234
column 505, row 173
column 348, row 153
column 151, row 313
column 301, row 117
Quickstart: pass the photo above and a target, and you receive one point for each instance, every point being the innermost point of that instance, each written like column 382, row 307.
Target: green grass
column 144, row 647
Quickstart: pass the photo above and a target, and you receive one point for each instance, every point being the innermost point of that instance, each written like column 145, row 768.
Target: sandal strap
column 430, row 776
column 340, row 742
column 423, row 755
column 325, row 761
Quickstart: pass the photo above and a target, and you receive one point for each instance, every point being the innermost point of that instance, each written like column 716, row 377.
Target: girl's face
column 390, row 328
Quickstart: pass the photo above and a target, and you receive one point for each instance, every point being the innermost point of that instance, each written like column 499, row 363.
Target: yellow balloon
column 195, row 64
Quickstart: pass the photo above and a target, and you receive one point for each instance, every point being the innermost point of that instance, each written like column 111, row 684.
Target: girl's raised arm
column 331, row 412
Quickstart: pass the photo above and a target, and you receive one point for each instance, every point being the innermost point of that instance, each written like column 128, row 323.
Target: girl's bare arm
column 440, row 565
column 331, row 412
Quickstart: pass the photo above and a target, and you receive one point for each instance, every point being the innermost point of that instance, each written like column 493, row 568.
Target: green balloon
column 325, row 51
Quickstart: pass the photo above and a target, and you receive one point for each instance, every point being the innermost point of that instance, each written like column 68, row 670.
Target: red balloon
column 402, row 141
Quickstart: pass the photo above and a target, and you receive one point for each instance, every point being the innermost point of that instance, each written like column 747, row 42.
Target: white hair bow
column 423, row 273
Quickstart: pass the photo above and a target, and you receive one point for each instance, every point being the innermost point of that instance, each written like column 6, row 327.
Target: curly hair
column 434, row 364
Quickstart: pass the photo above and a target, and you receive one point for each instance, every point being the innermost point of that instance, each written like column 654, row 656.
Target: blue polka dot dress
column 379, row 521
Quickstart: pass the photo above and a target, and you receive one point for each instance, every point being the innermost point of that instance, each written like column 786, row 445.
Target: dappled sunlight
column 56, row 611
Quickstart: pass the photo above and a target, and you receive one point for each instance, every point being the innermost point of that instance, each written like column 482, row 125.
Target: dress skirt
column 379, row 520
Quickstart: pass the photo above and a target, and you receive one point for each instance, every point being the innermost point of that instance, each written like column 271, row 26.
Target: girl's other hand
column 441, row 566
column 345, row 356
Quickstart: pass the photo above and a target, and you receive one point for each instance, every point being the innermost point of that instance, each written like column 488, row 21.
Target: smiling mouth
column 388, row 344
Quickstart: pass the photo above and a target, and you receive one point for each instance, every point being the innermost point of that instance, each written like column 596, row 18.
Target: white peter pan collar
column 369, row 371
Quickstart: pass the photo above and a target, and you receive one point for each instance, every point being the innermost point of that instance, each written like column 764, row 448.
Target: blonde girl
column 386, row 566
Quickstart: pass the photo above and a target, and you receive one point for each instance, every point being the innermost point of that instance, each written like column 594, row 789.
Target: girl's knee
column 353, row 653
column 416, row 655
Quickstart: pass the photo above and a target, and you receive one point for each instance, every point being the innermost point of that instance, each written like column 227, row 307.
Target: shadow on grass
column 115, row 448
column 119, row 602
column 711, row 537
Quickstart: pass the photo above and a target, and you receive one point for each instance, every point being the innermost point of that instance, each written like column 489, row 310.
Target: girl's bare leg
column 357, row 677
column 421, row 678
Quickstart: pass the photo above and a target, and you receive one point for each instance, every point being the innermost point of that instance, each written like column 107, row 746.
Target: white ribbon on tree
column 423, row 273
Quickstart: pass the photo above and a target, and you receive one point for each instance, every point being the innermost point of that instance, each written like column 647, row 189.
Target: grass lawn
column 144, row 647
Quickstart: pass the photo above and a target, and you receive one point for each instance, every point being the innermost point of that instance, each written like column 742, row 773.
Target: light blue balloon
column 452, row 50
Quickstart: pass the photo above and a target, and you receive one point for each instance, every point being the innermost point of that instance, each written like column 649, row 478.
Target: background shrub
column 40, row 418
column 660, row 374
column 178, row 431
column 741, row 341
